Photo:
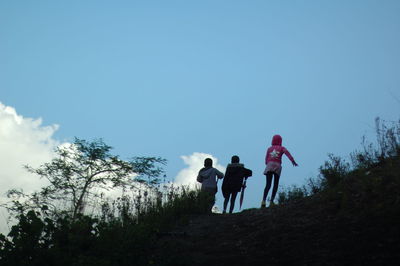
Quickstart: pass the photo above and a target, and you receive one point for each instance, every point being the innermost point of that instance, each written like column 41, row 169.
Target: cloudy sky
column 180, row 79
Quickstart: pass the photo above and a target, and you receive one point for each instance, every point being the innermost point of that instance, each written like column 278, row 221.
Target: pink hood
column 277, row 140
column 275, row 152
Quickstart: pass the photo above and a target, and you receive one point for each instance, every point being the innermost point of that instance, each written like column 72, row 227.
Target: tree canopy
column 83, row 166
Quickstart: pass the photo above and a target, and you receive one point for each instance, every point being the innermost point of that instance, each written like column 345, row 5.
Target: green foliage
column 292, row 194
column 77, row 170
column 371, row 183
column 388, row 146
column 368, row 184
column 334, row 171
column 124, row 233
column 128, row 228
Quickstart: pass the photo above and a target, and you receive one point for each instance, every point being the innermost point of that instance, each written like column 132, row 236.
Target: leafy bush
column 116, row 237
column 371, row 181
column 292, row 194
column 333, row 171
column 373, row 174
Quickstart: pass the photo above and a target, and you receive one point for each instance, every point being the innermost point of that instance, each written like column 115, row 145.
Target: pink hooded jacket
column 275, row 152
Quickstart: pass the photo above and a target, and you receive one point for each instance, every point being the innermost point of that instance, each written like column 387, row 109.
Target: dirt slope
column 302, row 233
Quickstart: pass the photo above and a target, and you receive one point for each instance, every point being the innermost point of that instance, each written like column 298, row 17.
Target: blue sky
column 171, row 78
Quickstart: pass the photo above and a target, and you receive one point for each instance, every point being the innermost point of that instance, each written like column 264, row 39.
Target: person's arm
column 267, row 156
column 219, row 174
column 247, row 173
column 200, row 177
column 287, row 153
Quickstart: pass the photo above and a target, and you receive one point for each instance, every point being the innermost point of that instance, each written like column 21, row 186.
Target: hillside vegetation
column 356, row 222
column 348, row 215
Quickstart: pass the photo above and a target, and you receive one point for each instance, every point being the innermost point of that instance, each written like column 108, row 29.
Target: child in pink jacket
column 273, row 160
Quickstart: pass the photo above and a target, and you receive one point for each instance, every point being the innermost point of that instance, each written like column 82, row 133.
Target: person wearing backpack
column 208, row 177
column 273, row 161
column 233, row 181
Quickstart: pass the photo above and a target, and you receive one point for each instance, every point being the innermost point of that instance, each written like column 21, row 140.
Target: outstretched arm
column 287, row 153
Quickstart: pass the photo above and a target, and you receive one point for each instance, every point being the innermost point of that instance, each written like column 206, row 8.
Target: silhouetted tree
column 82, row 166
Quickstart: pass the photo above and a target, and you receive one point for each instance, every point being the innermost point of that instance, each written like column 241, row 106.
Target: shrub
column 292, row 194
column 118, row 236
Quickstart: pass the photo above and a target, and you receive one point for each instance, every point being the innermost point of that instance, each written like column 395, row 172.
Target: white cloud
column 23, row 141
column 194, row 162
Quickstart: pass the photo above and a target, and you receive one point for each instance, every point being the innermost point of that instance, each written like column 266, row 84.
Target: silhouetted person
column 233, row 181
column 208, row 178
column 273, row 160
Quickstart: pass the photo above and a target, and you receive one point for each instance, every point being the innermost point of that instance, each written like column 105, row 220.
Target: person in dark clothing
column 233, row 181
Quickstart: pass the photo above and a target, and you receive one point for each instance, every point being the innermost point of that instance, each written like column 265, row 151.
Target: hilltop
column 348, row 215
column 354, row 223
column 285, row 235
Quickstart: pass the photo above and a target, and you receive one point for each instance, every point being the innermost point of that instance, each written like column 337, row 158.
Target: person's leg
column 226, row 196
column 268, row 185
column 210, row 191
column 275, row 188
column 233, row 199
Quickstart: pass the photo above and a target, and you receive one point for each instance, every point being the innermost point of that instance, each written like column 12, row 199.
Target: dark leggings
column 211, row 191
column 232, row 196
column 269, row 177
